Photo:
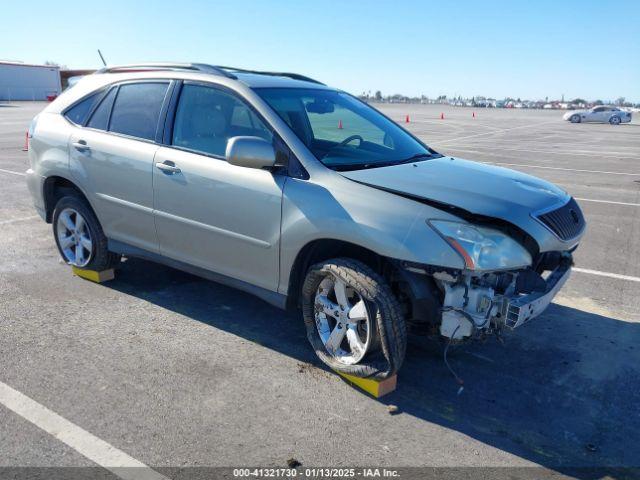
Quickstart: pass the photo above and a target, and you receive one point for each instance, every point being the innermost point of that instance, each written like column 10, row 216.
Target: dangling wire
column 446, row 362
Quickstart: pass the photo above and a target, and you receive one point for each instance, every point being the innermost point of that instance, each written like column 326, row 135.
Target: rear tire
column 575, row 119
column 384, row 341
column 79, row 236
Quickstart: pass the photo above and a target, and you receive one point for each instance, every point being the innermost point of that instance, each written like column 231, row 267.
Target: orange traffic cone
column 340, row 124
column 406, row 119
column 25, row 148
column 442, row 116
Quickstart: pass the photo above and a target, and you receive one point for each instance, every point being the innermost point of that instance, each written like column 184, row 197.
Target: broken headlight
column 483, row 248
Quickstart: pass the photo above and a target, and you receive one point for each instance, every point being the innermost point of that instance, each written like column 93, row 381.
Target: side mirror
column 250, row 152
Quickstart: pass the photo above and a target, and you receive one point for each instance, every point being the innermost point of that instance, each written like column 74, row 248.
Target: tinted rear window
column 100, row 118
column 137, row 109
column 78, row 113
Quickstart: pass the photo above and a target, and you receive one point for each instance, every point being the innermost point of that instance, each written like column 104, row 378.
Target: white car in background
column 602, row 113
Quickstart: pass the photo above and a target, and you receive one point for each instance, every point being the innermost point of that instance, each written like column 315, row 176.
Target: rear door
column 211, row 214
column 112, row 155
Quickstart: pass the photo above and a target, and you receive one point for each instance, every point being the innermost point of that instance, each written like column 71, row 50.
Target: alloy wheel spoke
column 335, row 338
column 86, row 242
column 355, row 343
column 327, row 306
column 66, row 242
column 358, row 312
column 80, row 225
column 66, row 220
column 79, row 254
column 341, row 293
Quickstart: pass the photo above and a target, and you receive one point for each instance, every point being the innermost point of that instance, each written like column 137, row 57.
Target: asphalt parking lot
column 174, row 371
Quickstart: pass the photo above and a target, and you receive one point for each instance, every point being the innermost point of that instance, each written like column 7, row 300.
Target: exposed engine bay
column 475, row 304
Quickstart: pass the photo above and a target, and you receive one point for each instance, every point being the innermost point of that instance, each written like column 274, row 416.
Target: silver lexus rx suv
column 302, row 195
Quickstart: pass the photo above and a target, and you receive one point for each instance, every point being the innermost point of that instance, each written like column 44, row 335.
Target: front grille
column 566, row 222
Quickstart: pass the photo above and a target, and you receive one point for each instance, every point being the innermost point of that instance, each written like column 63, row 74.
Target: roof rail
column 295, row 76
column 198, row 67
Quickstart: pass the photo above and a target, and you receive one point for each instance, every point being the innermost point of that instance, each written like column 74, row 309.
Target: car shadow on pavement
column 562, row 391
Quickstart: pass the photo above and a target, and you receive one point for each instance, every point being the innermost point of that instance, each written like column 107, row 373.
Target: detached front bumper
column 494, row 301
column 519, row 310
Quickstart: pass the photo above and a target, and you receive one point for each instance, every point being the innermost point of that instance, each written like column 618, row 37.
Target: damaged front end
column 514, row 235
column 476, row 304
column 504, row 282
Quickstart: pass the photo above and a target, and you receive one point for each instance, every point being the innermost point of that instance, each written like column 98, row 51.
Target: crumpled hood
column 475, row 187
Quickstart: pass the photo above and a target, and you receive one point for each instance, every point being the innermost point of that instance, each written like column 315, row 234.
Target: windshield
column 343, row 132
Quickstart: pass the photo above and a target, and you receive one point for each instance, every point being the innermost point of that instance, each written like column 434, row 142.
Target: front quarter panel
column 390, row 225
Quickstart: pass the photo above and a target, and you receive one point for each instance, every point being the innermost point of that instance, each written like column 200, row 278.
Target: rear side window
column 137, row 109
column 78, row 113
column 100, row 118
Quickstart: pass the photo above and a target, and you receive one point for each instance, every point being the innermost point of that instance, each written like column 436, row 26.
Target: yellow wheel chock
column 376, row 388
column 93, row 276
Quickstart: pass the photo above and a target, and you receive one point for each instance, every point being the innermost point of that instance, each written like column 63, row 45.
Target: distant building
column 69, row 77
column 23, row 81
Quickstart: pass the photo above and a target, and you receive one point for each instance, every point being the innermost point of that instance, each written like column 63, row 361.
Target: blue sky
column 527, row 49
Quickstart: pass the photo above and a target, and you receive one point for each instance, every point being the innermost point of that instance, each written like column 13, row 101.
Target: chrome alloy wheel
column 74, row 237
column 342, row 320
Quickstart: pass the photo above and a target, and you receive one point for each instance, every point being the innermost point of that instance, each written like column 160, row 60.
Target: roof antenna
column 102, row 58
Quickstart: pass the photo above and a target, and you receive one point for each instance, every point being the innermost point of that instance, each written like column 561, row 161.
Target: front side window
column 137, row 109
column 343, row 132
column 206, row 118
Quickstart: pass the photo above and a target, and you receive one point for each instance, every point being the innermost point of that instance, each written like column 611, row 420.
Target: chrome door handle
column 168, row 168
column 81, row 145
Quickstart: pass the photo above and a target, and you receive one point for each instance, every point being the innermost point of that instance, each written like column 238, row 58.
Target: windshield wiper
column 360, row 166
column 363, row 166
column 418, row 156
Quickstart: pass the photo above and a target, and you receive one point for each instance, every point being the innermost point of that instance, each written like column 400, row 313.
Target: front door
column 208, row 213
column 599, row 115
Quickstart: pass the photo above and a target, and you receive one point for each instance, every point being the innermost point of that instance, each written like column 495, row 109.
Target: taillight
column 32, row 128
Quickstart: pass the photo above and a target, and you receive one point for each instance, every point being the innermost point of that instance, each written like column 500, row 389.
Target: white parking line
column 607, row 201
column 12, row 172
column 606, row 274
column 551, row 152
column 83, row 442
column 492, row 132
column 562, row 169
column 21, row 219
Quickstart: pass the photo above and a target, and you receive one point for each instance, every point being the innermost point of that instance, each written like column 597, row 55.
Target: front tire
column 353, row 320
column 575, row 119
column 615, row 120
column 79, row 236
